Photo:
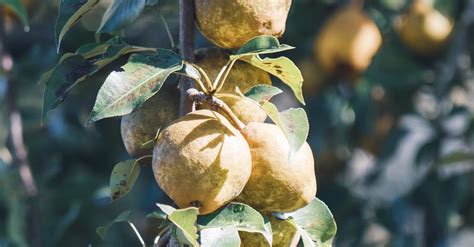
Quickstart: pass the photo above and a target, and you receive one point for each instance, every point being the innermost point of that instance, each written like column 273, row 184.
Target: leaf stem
column 137, row 233
column 224, row 78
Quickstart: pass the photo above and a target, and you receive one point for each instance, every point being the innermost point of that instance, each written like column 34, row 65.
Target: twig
column 186, row 40
column 215, row 103
column 18, row 146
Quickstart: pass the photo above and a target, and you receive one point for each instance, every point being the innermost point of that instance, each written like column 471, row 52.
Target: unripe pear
column 283, row 234
column 279, row 182
column 230, row 24
column 142, row 125
column 243, row 75
column 424, row 29
column 201, row 160
column 348, row 41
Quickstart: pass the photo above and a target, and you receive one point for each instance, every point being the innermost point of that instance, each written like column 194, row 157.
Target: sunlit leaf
column 120, row 14
column 123, row 178
column 455, row 158
column 264, row 44
column 284, row 69
column 141, row 78
column 18, row 8
column 262, row 93
column 70, row 12
column 185, row 222
column 238, row 216
column 315, row 223
column 123, row 217
column 220, row 237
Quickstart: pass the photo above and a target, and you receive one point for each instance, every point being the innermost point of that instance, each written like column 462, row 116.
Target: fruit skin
column 347, row 42
column 283, row 233
column 243, row 75
column 142, row 125
column 201, row 160
column 277, row 183
column 424, row 29
column 230, row 24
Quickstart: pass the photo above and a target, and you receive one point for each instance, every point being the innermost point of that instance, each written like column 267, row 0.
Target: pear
column 142, row 125
column 348, row 41
column 279, row 182
column 201, row 160
column 424, row 29
column 283, row 234
column 230, row 24
column 242, row 76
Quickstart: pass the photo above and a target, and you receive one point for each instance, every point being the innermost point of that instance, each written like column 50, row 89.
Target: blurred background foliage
column 393, row 147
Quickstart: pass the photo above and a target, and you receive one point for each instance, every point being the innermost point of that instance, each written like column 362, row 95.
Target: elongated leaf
column 220, row 237
column 141, row 78
column 95, row 49
column 123, row 217
column 58, row 88
column 262, row 93
column 123, row 178
column 284, row 69
column 185, row 222
column 18, row 8
column 296, row 127
column 70, row 12
column 239, row 217
column 120, row 14
column 316, row 223
column 293, row 122
column 59, row 83
column 264, row 44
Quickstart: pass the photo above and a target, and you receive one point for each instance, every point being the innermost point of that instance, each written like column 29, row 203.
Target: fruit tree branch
column 215, row 103
column 186, row 40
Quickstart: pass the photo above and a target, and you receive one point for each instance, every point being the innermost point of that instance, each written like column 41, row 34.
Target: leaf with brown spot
column 123, row 178
column 284, row 69
column 140, row 79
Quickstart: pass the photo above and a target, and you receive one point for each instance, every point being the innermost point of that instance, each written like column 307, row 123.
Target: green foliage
column 120, row 14
column 123, row 178
column 69, row 14
column 123, row 217
column 141, row 78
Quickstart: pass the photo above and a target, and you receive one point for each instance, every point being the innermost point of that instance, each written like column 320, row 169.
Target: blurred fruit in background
column 424, row 29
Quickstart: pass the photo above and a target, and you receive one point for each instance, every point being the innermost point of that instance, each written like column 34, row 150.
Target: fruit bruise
column 141, row 126
column 230, row 24
column 201, row 160
column 243, row 75
column 277, row 183
column 347, row 42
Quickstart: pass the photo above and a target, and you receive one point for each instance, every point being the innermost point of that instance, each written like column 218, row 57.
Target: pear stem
column 201, row 98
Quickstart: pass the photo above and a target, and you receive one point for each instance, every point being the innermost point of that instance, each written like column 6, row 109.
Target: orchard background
column 393, row 145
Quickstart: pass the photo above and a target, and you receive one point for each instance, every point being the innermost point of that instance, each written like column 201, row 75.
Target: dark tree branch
column 186, row 41
column 16, row 141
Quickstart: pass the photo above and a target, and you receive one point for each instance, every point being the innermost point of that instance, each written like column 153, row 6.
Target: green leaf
column 296, row 127
column 123, row 217
column 264, row 44
column 220, row 237
column 141, row 78
column 315, row 223
column 284, row 69
column 455, row 157
column 262, row 93
column 123, row 178
column 63, row 78
column 185, row 222
column 70, row 11
column 18, row 8
column 75, row 68
column 120, row 14
column 293, row 122
column 239, row 217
